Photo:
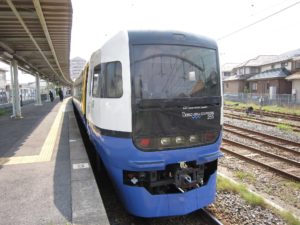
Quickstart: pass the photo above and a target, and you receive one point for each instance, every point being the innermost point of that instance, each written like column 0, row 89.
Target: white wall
column 2, row 79
column 296, row 85
column 276, row 66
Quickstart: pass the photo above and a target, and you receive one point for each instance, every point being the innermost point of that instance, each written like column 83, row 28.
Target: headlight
column 179, row 140
column 162, row 143
column 165, row 141
column 194, row 138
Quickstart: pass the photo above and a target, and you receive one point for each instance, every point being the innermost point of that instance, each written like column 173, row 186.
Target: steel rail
column 267, row 113
column 260, row 121
column 212, row 219
column 289, row 161
column 228, row 128
column 280, row 172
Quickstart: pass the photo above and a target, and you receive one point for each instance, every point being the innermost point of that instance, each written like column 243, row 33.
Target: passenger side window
column 113, row 78
column 96, row 78
column 107, row 80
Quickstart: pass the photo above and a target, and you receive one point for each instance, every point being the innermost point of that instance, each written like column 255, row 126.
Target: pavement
column 45, row 174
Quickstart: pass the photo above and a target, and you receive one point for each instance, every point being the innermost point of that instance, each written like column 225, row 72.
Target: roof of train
column 170, row 37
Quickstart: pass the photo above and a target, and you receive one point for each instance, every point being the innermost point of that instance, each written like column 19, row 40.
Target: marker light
column 165, row 141
column 210, row 136
column 193, row 138
column 179, row 140
column 175, row 142
column 144, row 142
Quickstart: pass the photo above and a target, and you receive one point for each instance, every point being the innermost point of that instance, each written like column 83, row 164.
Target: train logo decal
column 198, row 115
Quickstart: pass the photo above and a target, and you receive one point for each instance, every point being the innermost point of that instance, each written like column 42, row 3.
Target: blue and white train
column 151, row 103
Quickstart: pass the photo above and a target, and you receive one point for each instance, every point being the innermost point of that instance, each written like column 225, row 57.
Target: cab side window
column 107, row 80
column 96, row 88
column 113, row 80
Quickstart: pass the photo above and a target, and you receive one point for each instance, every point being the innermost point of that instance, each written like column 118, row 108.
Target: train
column 151, row 103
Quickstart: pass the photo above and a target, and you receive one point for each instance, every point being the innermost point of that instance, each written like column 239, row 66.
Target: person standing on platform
column 61, row 95
column 51, row 96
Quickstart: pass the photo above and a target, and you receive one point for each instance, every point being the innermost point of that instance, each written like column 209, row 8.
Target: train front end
column 168, row 166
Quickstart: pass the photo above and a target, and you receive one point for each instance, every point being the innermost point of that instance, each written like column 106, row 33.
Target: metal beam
column 8, row 14
column 6, row 47
column 6, row 55
column 13, row 39
column 13, row 8
column 30, row 53
column 38, row 9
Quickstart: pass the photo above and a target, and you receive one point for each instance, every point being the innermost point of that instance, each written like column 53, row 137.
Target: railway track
column 278, row 164
column 282, row 144
column 210, row 218
column 295, row 128
column 267, row 113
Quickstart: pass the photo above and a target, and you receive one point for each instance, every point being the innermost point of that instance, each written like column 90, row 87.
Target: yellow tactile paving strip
column 47, row 148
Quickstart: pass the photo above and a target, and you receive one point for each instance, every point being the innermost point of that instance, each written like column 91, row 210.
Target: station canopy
column 37, row 34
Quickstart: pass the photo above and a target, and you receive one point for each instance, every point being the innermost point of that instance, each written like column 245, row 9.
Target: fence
column 26, row 94
column 3, row 96
column 274, row 99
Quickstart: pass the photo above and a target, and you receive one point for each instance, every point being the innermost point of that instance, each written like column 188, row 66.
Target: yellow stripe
column 47, row 148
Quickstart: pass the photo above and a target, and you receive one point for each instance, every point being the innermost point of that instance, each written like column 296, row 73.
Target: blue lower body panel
column 119, row 154
column 139, row 202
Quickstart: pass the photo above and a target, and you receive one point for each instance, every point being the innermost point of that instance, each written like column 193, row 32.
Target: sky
column 95, row 21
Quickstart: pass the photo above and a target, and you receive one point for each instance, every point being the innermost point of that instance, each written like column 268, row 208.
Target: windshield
column 173, row 71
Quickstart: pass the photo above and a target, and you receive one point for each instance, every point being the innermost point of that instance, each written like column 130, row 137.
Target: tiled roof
column 285, row 56
column 295, row 76
column 270, row 74
column 228, row 66
column 237, row 77
column 257, row 61
column 269, row 59
column 3, row 70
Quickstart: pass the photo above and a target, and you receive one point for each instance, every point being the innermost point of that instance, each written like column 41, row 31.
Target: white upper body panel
column 111, row 113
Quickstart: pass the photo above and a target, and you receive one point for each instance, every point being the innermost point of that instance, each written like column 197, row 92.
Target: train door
column 89, row 98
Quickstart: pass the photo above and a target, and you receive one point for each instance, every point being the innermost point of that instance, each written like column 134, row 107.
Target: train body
column 151, row 103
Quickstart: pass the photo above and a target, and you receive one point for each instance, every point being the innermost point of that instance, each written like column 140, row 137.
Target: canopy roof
column 37, row 34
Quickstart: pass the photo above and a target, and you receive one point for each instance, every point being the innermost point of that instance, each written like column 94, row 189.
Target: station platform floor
column 45, row 175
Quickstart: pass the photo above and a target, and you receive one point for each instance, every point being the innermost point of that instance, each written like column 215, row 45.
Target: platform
column 45, row 175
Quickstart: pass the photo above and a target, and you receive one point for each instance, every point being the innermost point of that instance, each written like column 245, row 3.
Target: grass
column 224, row 184
column 292, row 184
column 3, row 112
column 272, row 108
column 284, row 127
column 288, row 217
column 245, row 176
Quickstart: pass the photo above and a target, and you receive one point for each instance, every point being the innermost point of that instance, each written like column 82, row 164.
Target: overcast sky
column 95, row 21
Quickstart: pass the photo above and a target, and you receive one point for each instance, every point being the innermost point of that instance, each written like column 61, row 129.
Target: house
column 227, row 68
column 295, row 79
column 265, row 74
column 270, row 81
column 237, row 82
column 2, row 78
